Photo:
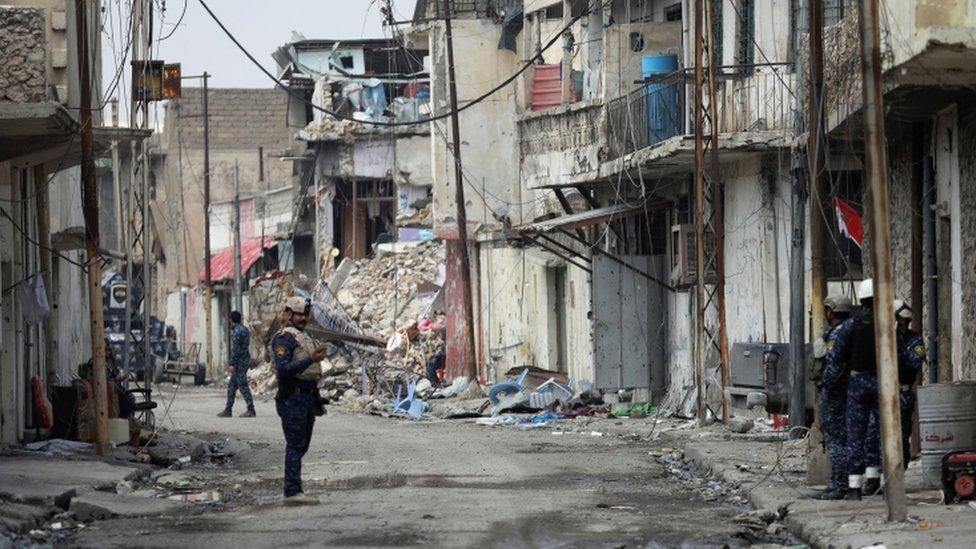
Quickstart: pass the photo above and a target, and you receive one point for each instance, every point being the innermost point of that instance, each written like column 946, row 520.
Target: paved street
column 386, row 482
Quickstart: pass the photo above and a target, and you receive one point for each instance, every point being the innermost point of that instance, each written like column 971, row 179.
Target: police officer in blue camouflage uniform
column 237, row 365
column 911, row 358
column 297, row 367
column 862, row 394
column 832, row 393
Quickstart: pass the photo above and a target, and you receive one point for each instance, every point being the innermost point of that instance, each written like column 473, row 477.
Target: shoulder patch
column 281, row 350
column 920, row 350
column 830, row 345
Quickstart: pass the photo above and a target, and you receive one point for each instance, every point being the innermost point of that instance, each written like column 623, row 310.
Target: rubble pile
column 388, row 290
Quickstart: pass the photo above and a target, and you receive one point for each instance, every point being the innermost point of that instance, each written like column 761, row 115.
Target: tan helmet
column 296, row 304
column 838, row 303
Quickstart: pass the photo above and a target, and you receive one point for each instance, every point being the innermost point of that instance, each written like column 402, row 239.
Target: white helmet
column 902, row 310
column 865, row 290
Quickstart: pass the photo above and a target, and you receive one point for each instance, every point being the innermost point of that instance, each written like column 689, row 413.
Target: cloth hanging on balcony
column 511, row 27
column 34, row 306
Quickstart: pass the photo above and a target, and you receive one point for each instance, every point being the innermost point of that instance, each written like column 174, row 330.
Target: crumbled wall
column 22, row 49
column 556, row 147
column 901, row 211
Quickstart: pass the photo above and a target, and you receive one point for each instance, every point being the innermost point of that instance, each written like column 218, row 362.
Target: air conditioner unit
column 684, row 259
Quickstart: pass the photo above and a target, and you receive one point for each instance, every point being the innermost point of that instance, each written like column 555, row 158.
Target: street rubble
column 360, row 294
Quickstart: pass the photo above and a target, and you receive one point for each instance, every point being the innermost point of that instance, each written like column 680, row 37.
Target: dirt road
column 388, row 482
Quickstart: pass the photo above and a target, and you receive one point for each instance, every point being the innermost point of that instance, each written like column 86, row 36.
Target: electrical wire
column 472, row 103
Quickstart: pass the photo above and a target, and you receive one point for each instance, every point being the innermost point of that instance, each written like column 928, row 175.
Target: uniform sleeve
column 239, row 347
column 283, row 347
column 915, row 354
column 838, row 351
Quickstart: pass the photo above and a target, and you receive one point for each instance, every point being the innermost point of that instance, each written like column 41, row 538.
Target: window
column 717, row 32
column 746, row 37
column 346, row 61
column 835, row 10
column 672, row 12
column 555, row 11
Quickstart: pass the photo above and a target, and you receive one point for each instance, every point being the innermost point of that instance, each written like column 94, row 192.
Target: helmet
column 902, row 310
column 297, row 304
column 865, row 290
column 838, row 303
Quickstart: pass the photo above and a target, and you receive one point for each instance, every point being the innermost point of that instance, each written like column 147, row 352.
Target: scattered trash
column 636, row 411
column 209, row 496
column 928, row 525
column 61, row 447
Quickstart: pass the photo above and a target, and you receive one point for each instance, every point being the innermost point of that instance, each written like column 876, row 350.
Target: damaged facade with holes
column 369, row 183
column 603, row 195
column 42, row 226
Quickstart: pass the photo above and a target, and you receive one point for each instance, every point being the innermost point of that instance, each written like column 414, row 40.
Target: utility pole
column 798, row 310
column 207, row 282
column 931, row 271
column 89, row 198
column 238, row 278
column 41, row 203
column 876, row 164
column 264, row 188
column 462, row 220
column 709, row 220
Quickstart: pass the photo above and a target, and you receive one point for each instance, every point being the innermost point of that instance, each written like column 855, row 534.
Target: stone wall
column 967, row 196
column 239, row 118
column 23, row 54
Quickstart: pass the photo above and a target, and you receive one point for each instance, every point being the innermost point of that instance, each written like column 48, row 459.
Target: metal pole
column 462, row 221
column 699, row 210
column 89, row 198
column 147, row 259
column 876, row 164
column 44, row 256
column 238, row 278
column 931, row 272
column 207, row 283
column 718, row 212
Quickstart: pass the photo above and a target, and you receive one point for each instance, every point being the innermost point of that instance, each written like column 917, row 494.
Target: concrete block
column 42, row 493
column 59, row 58
column 17, row 517
column 103, row 505
column 59, row 20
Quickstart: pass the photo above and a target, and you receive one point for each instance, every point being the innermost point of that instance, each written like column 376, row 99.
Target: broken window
column 834, row 11
column 347, row 61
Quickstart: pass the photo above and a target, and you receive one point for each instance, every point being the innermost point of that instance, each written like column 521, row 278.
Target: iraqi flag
column 850, row 228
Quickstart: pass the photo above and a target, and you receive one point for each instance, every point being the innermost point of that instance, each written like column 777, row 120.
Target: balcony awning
column 588, row 218
column 222, row 263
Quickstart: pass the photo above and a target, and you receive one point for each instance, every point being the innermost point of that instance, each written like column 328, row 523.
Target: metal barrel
column 947, row 422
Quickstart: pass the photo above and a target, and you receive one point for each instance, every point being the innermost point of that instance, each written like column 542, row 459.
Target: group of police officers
column 847, row 392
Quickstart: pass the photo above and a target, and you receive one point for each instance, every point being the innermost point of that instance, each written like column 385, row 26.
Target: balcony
column 662, row 109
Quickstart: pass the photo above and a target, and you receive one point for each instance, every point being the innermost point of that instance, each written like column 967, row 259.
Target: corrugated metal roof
column 222, row 263
column 588, row 218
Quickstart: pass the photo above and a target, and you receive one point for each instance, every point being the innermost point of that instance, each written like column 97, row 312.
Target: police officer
column 911, row 358
column 297, row 365
column 240, row 361
column 832, row 393
column 862, row 394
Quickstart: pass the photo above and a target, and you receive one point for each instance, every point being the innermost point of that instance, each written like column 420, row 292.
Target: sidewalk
column 772, row 474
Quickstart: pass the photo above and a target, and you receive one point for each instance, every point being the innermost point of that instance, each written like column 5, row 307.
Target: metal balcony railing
column 757, row 98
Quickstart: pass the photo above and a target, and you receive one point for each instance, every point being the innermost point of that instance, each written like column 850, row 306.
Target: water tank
column 946, row 422
column 662, row 98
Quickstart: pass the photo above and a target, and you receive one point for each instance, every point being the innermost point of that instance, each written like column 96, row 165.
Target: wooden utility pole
column 876, row 167
column 207, row 282
column 238, row 278
column 89, row 197
column 462, row 220
column 264, row 189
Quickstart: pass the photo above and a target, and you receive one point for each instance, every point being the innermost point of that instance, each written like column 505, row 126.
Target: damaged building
column 580, row 179
column 371, row 182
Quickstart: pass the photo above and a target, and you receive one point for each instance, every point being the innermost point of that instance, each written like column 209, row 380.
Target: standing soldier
column 862, row 396
column 911, row 358
column 240, row 361
column 832, row 393
column 297, row 365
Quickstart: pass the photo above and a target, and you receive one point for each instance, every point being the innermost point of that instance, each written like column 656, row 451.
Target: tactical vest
column 304, row 350
column 863, row 356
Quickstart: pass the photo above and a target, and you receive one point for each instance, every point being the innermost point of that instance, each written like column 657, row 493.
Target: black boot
column 853, row 494
column 872, row 486
column 831, row 494
column 225, row 413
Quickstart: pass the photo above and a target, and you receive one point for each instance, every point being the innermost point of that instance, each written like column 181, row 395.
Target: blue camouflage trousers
column 297, row 413
column 863, row 436
column 833, row 423
column 238, row 382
